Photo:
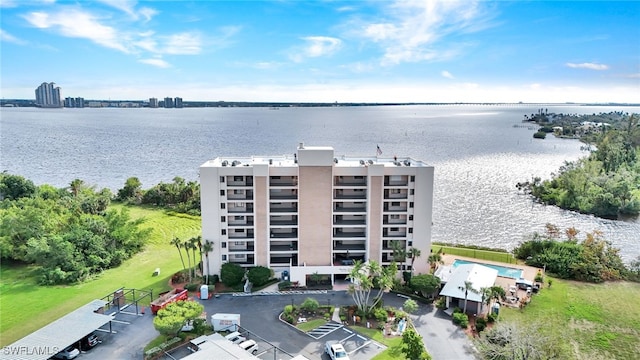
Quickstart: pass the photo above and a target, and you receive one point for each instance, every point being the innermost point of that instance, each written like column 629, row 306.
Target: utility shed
column 215, row 346
column 56, row 336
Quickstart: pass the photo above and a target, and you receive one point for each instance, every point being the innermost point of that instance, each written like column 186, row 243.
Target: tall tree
column 187, row 246
column 207, row 247
column 413, row 346
column 178, row 244
column 196, row 244
column 365, row 278
column 414, row 254
column 468, row 287
column 399, row 252
column 76, row 186
column 435, row 259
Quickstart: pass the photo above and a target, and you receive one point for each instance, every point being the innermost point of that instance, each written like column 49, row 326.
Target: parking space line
column 347, row 338
column 360, row 347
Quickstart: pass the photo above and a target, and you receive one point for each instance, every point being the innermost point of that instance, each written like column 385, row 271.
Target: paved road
column 259, row 314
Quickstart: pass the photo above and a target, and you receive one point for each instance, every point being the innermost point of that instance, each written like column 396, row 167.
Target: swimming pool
column 502, row 270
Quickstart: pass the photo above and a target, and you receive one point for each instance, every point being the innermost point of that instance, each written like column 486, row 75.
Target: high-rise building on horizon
column 153, row 102
column 70, row 102
column 168, row 102
column 48, row 95
column 178, row 102
column 316, row 213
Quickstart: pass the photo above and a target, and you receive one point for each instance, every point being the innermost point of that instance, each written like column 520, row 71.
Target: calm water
column 477, row 152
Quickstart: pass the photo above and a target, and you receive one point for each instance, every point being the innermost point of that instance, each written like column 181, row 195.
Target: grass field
column 25, row 306
column 593, row 321
column 476, row 254
column 393, row 351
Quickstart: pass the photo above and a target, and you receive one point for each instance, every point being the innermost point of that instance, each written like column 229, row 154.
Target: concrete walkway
column 336, row 315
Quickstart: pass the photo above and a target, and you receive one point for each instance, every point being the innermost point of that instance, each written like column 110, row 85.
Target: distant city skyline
column 324, row 51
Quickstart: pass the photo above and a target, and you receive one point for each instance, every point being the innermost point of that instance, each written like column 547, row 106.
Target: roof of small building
column 215, row 346
column 480, row 276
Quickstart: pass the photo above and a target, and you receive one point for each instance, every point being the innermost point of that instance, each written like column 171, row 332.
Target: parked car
column 235, row 337
column 88, row 342
column 68, row 353
column 250, row 346
column 336, row 351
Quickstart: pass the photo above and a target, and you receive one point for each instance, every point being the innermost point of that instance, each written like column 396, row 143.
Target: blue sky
column 324, row 51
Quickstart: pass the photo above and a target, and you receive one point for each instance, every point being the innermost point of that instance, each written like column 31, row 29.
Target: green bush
column 343, row 317
column 192, row 287
column 284, row 285
column 231, row 274
column 491, row 318
column 288, row 318
column 310, row 304
column 481, row 324
column 327, row 316
column 441, row 303
column 540, row 135
column 259, row 275
column 288, row 309
column 461, row 319
column 380, row 314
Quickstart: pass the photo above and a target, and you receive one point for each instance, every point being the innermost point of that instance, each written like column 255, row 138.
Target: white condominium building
column 313, row 212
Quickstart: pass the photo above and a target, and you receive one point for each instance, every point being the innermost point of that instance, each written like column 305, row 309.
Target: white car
column 68, row 353
column 336, row 351
column 250, row 346
column 235, row 337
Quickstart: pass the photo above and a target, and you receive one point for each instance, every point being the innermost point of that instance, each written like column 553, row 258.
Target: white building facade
column 314, row 213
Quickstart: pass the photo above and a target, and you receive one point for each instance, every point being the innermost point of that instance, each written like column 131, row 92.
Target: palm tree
column 196, row 244
column 207, row 247
column 468, row 287
column 399, row 252
column 76, row 185
column 187, row 246
column 178, row 244
column 496, row 293
column 414, row 253
column 435, row 259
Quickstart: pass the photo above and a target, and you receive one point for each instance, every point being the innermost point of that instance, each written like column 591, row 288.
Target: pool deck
column 529, row 272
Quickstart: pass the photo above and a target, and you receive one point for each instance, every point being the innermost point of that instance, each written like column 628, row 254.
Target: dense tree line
column 606, row 183
column 68, row 233
column 592, row 259
column 179, row 195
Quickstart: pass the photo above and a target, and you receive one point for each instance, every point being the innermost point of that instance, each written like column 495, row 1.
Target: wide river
column 478, row 155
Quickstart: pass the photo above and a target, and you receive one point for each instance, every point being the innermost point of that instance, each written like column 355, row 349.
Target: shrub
column 410, row 306
column 310, row 304
column 457, row 310
column 441, row 303
column 231, row 274
column 380, row 314
column 288, row 318
column 491, row 318
column 343, row 318
column 461, row 319
column 288, row 309
column 481, row 324
column 180, row 277
column 192, row 287
column 284, row 285
column 259, row 275
column 327, row 316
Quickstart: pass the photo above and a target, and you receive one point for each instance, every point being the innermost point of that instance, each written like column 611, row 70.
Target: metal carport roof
column 54, row 337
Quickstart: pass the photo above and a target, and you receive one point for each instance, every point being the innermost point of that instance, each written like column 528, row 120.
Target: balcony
column 283, row 260
column 396, row 180
column 354, row 194
column 396, row 194
column 349, row 220
column 349, row 207
column 241, row 234
column 239, row 181
column 241, row 246
column 343, row 245
column 290, row 207
column 242, row 259
column 400, row 232
column 352, row 233
column 283, row 194
column 283, row 246
column 387, row 245
column 350, row 181
column 286, row 220
column 240, row 208
column 242, row 221
column 240, row 195
column 395, row 206
column 280, row 234
column 394, row 220
column 283, row 181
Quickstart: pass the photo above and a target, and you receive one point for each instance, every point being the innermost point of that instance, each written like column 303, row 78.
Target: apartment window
column 395, row 203
column 275, row 178
column 238, row 192
column 238, row 243
column 222, row 206
column 238, row 218
column 238, row 178
column 223, row 231
column 395, row 191
column 238, row 256
column 394, row 229
column 239, row 204
column 413, row 178
column 221, row 179
column 223, row 219
column 410, row 217
column 358, row 177
column 410, row 191
column 395, row 216
column 410, row 230
column 239, row 230
column 224, row 257
column 223, row 245
column 221, row 192
column 411, row 204
column 409, row 243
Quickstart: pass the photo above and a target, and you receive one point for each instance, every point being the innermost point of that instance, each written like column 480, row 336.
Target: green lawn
column 504, row 257
column 594, row 321
column 311, row 324
column 25, row 306
column 393, row 351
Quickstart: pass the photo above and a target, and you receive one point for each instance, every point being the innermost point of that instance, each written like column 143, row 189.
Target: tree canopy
column 367, row 277
column 170, row 320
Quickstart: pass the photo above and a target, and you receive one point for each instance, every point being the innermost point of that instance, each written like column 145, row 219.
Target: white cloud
column 129, row 7
column 412, row 30
column 78, row 24
column 446, row 74
column 316, row 46
column 6, row 37
column 590, row 66
column 155, row 62
column 183, row 44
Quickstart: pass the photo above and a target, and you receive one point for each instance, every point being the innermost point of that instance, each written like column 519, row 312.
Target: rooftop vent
column 407, row 163
column 335, row 160
column 361, row 162
column 370, row 162
column 235, row 162
column 270, row 161
column 225, row 163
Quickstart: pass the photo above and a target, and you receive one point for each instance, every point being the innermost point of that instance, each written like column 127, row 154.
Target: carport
column 56, row 336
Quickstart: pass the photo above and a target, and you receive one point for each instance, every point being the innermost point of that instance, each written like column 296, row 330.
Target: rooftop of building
column 291, row 160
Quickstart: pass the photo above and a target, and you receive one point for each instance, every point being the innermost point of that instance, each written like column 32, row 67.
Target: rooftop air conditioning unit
column 370, row 162
column 335, row 160
column 225, row 163
column 407, row 163
column 361, row 162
